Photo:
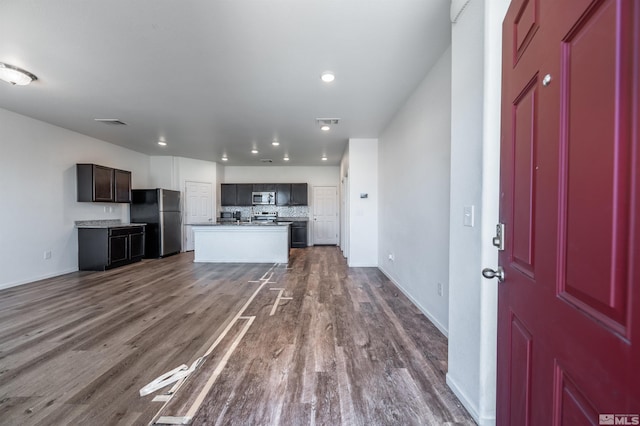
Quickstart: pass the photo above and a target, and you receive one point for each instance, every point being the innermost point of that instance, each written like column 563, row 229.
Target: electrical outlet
column 439, row 289
column 47, row 255
column 391, row 257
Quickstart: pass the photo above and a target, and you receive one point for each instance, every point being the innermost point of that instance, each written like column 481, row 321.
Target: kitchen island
column 241, row 243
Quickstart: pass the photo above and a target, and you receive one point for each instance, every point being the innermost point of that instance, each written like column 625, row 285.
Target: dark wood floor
column 342, row 346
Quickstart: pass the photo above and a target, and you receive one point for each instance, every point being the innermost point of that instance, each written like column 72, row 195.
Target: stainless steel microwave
column 260, row 198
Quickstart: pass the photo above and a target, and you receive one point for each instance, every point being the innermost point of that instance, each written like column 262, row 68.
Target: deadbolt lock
column 498, row 240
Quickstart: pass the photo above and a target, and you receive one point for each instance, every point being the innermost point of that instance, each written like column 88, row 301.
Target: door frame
column 475, row 179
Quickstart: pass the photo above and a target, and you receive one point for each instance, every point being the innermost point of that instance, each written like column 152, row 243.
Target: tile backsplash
column 283, row 211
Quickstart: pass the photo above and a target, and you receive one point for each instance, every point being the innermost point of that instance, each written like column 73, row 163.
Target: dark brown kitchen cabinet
column 264, row 187
column 102, row 184
column 236, row 194
column 244, row 197
column 299, row 194
column 298, row 234
column 228, row 194
column 240, row 194
column 122, row 185
column 283, row 194
column 105, row 248
column 291, row 194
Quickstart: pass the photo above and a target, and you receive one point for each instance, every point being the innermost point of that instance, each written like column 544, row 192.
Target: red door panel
column 595, row 170
column 520, row 373
column 525, row 25
column 568, row 309
column 524, row 155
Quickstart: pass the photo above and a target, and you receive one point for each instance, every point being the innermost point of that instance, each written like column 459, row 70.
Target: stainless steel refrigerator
column 160, row 210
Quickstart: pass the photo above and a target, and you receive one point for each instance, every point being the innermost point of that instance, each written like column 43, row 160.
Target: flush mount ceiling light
column 325, row 128
column 328, row 76
column 324, row 158
column 225, row 158
column 275, row 143
column 14, row 75
column 286, row 158
column 162, row 143
column 254, row 151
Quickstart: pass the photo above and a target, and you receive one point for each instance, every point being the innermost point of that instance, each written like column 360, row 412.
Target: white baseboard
column 468, row 404
column 435, row 322
column 38, row 278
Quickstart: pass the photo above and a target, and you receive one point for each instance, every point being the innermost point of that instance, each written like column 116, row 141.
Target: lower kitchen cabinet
column 298, row 234
column 105, row 248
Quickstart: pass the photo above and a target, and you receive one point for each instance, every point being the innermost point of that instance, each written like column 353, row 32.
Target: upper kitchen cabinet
column 103, row 184
column 244, row 196
column 299, row 194
column 122, row 183
column 232, row 194
column 287, row 194
column 291, row 194
column 228, row 194
column 283, row 194
column 264, row 187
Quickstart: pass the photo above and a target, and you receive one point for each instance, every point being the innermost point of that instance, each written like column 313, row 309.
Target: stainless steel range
column 265, row 216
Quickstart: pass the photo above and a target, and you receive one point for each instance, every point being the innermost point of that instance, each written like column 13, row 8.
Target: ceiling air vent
column 266, row 160
column 327, row 121
column 110, row 121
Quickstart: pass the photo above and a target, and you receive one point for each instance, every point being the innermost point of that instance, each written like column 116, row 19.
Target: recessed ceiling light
column 225, row 159
column 324, row 158
column 162, row 143
column 286, row 158
column 14, row 75
column 325, row 128
column 275, row 143
column 327, row 76
column 254, row 151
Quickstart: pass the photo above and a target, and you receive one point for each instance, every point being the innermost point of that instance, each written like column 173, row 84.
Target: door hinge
column 498, row 240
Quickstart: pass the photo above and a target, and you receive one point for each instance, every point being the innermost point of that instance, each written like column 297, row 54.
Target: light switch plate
column 468, row 218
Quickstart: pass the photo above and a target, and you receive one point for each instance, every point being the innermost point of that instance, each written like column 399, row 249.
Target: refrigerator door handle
column 161, row 231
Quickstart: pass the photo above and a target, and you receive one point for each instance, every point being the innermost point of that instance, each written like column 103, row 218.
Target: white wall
column 314, row 176
column 219, row 179
column 173, row 172
column 363, row 212
column 414, row 152
column 38, row 193
column 475, row 153
column 162, row 173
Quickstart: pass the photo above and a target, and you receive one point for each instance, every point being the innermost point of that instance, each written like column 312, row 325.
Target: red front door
column 569, row 307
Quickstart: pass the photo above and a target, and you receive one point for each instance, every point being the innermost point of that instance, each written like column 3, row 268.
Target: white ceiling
column 218, row 77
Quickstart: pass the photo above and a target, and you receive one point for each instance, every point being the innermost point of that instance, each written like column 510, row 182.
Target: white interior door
column 325, row 215
column 198, row 208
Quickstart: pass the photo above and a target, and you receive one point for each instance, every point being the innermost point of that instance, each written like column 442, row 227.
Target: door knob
column 490, row 273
